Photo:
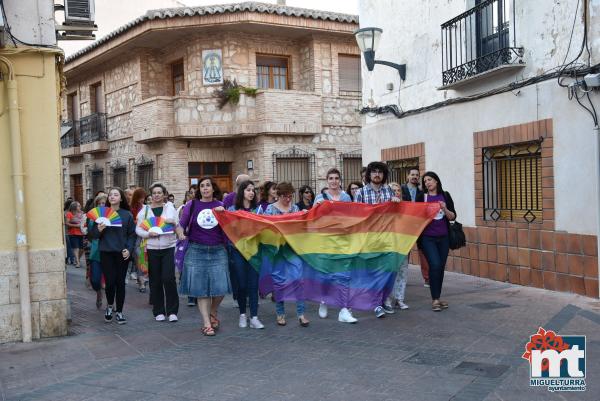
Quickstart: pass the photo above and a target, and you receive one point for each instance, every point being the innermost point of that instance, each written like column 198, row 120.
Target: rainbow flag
column 343, row 254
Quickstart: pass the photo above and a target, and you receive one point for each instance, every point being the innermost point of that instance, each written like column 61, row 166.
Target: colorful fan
column 105, row 215
column 157, row 225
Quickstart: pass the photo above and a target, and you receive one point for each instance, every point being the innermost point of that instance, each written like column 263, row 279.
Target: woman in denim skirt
column 205, row 272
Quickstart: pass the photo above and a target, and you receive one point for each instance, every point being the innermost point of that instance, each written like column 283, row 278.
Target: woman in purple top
column 205, row 272
column 434, row 240
column 268, row 195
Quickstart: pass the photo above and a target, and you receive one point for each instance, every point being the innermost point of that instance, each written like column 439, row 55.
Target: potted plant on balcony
column 230, row 92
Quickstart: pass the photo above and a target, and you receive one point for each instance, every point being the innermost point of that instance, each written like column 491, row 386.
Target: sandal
column 281, row 320
column 214, row 322
column 304, row 322
column 207, row 331
column 436, row 306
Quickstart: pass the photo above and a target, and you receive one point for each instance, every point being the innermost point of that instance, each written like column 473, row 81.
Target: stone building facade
column 142, row 111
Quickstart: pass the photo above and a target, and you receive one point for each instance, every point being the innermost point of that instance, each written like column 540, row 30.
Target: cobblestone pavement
column 472, row 351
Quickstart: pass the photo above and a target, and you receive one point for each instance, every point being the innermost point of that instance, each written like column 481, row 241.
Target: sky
column 111, row 14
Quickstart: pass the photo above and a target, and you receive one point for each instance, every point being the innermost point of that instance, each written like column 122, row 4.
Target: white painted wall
column 411, row 35
column 31, row 21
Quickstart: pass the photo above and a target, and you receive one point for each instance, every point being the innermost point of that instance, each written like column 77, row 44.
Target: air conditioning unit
column 79, row 12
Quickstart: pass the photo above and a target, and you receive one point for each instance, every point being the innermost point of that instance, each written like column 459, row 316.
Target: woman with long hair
column 116, row 247
column 306, row 196
column 245, row 275
column 268, row 195
column 95, row 273
column 74, row 219
column 284, row 205
column 137, row 203
column 434, row 239
column 353, row 188
column 205, row 272
column 161, row 256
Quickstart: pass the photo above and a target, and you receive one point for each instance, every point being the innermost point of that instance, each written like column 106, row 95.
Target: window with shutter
column 349, row 75
column 177, row 77
column 512, row 181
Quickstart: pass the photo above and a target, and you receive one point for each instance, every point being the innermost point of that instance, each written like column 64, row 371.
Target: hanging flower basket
column 230, row 93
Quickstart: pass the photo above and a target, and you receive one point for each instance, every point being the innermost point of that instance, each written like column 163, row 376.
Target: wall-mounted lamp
column 368, row 40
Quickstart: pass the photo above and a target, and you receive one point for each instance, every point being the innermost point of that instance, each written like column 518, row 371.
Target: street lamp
column 368, row 40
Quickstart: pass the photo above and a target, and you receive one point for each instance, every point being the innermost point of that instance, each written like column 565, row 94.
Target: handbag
column 181, row 246
column 456, row 235
column 142, row 251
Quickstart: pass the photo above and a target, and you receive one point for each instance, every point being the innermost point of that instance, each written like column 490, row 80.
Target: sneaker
column 108, row 314
column 402, row 305
column 379, row 312
column 388, row 308
column 345, row 316
column 426, row 284
column 191, row 301
column 243, row 321
column 160, row 318
column 133, row 276
column 173, row 318
column 120, row 318
column 255, row 323
column 322, row 311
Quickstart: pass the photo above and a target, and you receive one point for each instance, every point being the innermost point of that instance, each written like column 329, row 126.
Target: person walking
column 396, row 298
column 245, row 275
column 74, row 220
column 94, row 258
column 333, row 192
column 161, row 256
column 434, row 239
column 136, row 273
column 116, row 247
column 284, row 205
column 205, row 268
column 353, row 188
column 375, row 191
column 268, row 195
column 306, row 196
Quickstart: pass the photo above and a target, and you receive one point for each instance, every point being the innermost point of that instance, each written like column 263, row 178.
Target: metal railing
column 72, row 137
column 479, row 40
column 93, row 128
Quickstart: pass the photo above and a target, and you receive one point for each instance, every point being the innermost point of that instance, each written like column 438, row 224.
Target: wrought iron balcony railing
column 71, row 138
column 93, row 128
column 479, row 40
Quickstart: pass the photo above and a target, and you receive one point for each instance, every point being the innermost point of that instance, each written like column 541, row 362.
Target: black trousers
column 114, row 268
column 161, row 272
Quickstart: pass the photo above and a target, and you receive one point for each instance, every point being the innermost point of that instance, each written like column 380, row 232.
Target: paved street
column 412, row 355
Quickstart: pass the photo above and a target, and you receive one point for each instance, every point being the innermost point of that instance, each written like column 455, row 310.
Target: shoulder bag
column 181, row 246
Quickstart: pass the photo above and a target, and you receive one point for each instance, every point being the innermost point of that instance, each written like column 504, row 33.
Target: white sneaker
column 173, row 318
column 160, row 318
column 133, row 276
column 345, row 316
column 322, row 311
column 243, row 321
column 255, row 323
column 402, row 305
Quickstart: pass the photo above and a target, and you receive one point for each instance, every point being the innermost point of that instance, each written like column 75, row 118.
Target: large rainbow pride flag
column 343, row 254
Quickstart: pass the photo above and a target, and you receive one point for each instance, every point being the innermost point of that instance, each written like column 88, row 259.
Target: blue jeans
column 436, row 251
column 70, row 254
column 280, row 308
column 246, row 279
column 96, row 275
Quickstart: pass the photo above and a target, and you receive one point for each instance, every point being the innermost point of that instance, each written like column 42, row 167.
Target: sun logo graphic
column 557, row 362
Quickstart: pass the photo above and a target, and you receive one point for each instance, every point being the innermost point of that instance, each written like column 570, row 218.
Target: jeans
column 161, row 270
column 232, row 276
column 70, row 254
column 114, row 268
column 96, row 275
column 436, row 251
column 400, row 283
column 280, row 308
column 246, row 279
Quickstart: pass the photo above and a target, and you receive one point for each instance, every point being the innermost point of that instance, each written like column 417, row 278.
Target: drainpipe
column 19, row 194
column 597, row 133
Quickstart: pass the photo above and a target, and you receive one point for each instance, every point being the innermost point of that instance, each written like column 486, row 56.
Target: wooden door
column 77, row 188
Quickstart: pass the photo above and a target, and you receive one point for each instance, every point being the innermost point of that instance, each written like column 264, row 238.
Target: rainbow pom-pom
column 105, row 215
column 157, row 225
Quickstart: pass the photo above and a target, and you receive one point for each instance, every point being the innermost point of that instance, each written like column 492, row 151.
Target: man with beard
column 376, row 190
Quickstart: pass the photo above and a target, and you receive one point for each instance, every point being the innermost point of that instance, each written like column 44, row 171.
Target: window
column 97, row 181
column 120, row 177
column 351, row 165
column 177, row 77
column 512, row 182
column 219, row 171
column 272, row 72
column 72, row 107
column 145, row 175
column 296, row 167
column 349, row 74
column 96, row 98
column 399, row 169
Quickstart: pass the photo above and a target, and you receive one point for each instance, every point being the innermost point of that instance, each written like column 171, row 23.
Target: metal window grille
column 93, row 128
column 351, row 164
column 97, row 181
column 479, row 40
column 145, row 175
column 120, row 177
column 295, row 166
column 512, row 182
column 399, row 169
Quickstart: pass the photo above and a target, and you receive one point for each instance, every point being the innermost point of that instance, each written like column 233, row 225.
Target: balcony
column 70, row 139
column 479, row 43
column 93, row 133
column 271, row 111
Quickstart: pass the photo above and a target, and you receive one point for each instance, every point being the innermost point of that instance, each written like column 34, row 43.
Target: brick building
column 140, row 104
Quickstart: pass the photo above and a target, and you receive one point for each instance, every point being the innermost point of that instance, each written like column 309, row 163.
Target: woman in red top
column 75, row 219
column 137, row 204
